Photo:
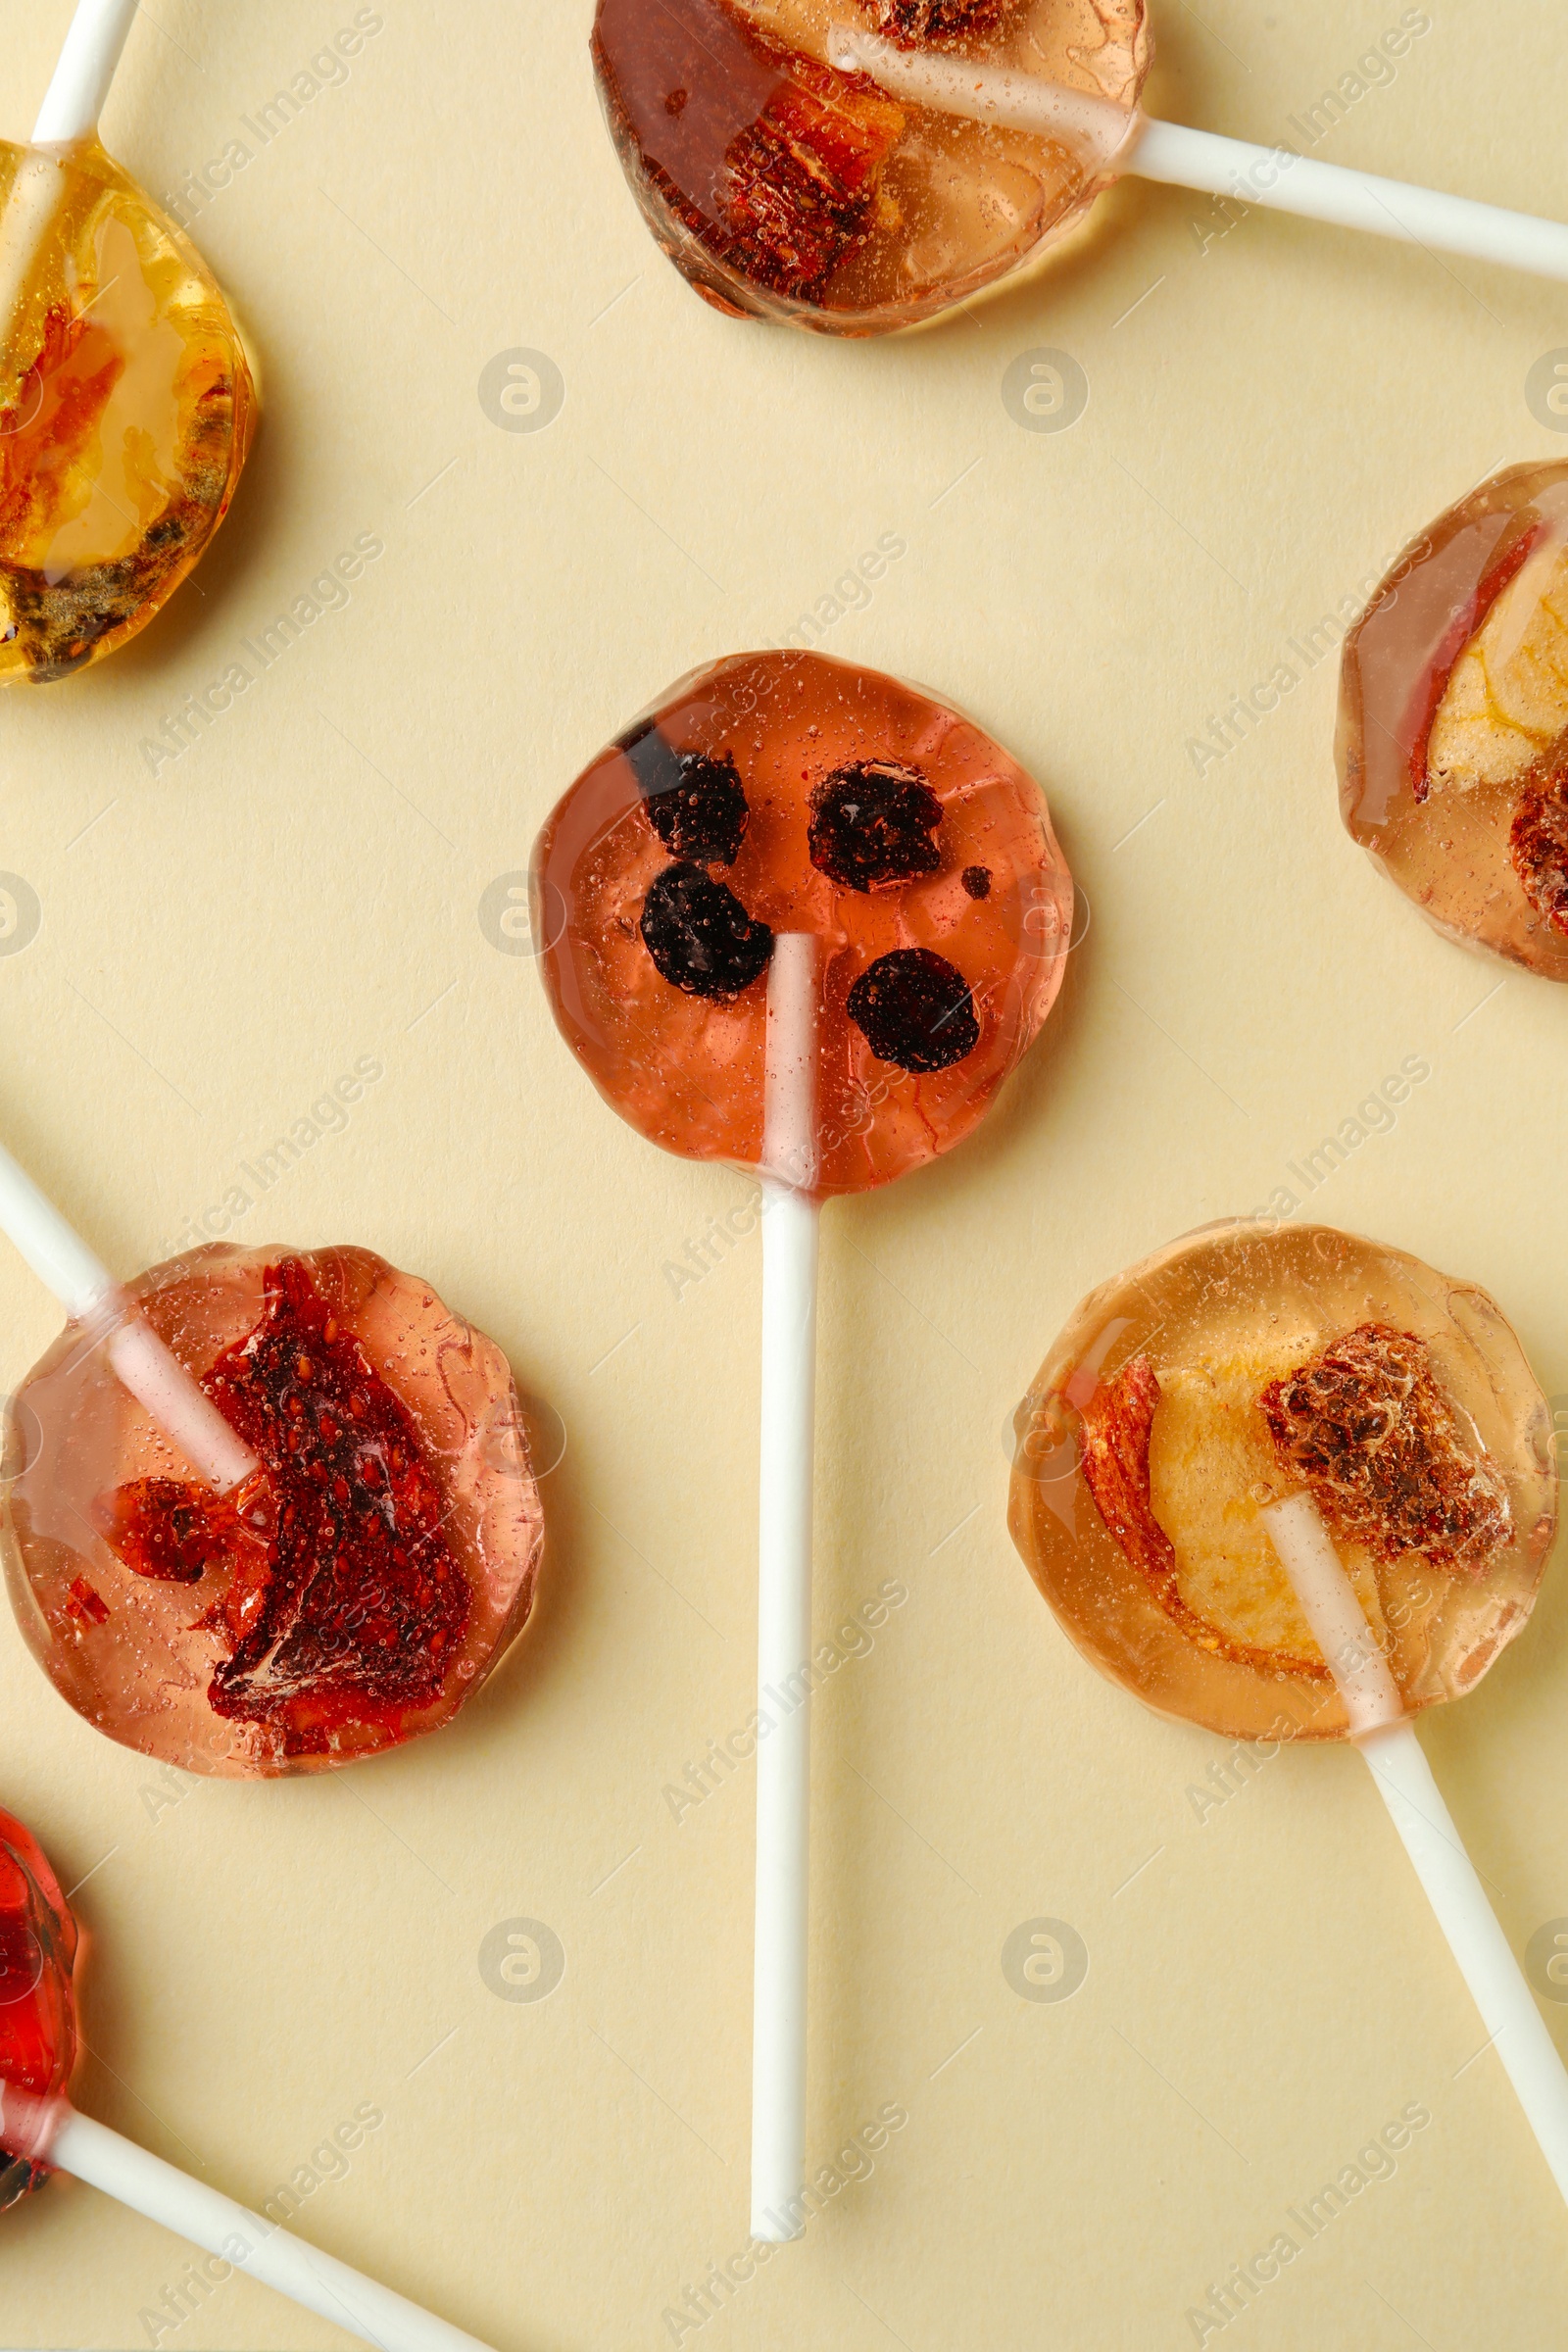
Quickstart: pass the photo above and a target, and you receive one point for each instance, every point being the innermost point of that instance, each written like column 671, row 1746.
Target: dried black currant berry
column 914, row 1009
column 701, row 937
column 871, row 825
column 695, row 804
column 977, row 881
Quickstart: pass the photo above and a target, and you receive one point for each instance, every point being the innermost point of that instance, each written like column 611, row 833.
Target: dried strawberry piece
column 937, row 20
column 345, row 1605
column 86, row 1603
column 1119, row 1422
column 872, row 826
column 1365, row 1424
column 803, row 179
column 915, row 1009
column 355, row 1607
column 773, row 161
column 1537, row 839
column 165, row 1529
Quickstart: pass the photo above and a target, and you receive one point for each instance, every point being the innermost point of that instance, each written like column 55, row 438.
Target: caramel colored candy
column 37, row 2007
column 783, row 188
column 126, row 409
column 351, row 1593
column 784, row 792
column 1231, row 1369
column 1453, row 720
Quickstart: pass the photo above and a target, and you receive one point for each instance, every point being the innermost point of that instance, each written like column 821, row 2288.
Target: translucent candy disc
column 1239, row 1365
column 1453, row 720
column 353, row 1595
column 37, row 2007
column 785, row 794
column 126, row 409
column 786, row 189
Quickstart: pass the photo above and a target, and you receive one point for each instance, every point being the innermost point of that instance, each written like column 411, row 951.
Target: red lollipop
column 803, row 918
column 40, row 2131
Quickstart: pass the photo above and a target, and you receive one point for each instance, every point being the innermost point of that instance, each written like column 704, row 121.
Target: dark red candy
column 37, row 2014
column 701, row 937
column 915, row 1009
column 872, row 825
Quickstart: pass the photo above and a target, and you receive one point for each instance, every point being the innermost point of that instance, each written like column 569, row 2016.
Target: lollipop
column 856, row 166
column 1294, row 1485
column 40, row 2133
column 803, row 919
column 266, row 1511
column 1453, row 720
column 127, row 405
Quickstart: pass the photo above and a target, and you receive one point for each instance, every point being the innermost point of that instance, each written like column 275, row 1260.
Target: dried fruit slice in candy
column 868, row 813
column 787, row 189
column 1240, row 1365
column 37, row 2013
column 352, row 1595
column 1452, row 744
column 127, row 408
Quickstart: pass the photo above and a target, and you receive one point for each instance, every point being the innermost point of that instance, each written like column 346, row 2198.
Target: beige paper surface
column 1271, row 413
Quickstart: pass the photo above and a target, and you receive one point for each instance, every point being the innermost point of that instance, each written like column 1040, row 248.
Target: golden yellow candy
column 126, row 410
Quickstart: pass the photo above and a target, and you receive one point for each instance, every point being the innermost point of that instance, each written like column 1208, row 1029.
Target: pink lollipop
column 266, row 1511
column 857, row 165
column 40, row 2131
column 805, row 919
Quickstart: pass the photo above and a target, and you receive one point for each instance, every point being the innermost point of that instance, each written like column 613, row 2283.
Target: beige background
column 1266, row 427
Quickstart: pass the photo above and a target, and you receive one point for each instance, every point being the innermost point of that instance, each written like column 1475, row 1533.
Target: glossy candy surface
column 786, row 189
column 783, row 792
column 1239, row 1365
column 1452, row 740
column 38, row 2009
column 126, row 410
column 351, row 1595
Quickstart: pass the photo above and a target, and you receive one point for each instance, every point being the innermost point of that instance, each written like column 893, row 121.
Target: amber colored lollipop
column 266, row 1511
column 1452, row 740
column 858, row 165
column 127, row 405
column 41, row 2133
column 1293, row 1485
column 803, row 919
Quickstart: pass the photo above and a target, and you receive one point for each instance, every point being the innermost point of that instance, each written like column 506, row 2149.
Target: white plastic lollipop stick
column 52, row 2131
column 790, row 1220
column 88, row 1293
column 70, row 113
column 75, row 98
column 1388, row 1742
column 1108, row 136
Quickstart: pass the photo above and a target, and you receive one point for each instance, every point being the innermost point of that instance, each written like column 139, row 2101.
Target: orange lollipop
column 803, row 918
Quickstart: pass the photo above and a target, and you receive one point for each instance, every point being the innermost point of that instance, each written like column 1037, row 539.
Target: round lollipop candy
column 805, row 919
column 40, row 2131
column 1452, row 742
column 127, row 405
column 266, row 1511
column 1295, row 1485
column 856, row 166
